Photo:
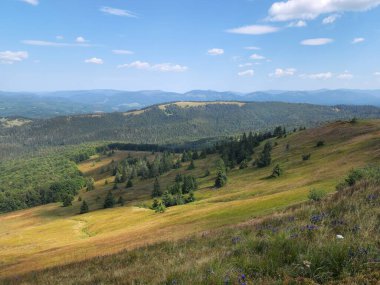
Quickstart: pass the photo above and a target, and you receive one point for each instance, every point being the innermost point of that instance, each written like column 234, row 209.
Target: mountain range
column 51, row 104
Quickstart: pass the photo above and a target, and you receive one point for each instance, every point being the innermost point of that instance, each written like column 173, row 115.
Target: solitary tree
column 265, row 157
column 121, row 201
column 109, row 202
column 221, row 179
column 191, row 165
column 129, row 184
column 277, row 171
column 84, row 207
column 156, row 189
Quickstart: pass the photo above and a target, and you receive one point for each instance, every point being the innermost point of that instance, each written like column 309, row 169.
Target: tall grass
column 302, row 245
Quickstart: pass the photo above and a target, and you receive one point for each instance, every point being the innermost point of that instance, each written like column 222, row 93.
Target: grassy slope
column 50, row 235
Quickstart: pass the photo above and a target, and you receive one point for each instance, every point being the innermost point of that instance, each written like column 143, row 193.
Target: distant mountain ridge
column 58, row 103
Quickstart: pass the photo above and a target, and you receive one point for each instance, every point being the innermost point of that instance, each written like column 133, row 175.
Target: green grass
column 50, row 235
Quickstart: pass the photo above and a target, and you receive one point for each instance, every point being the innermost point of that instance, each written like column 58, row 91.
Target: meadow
column 50, row 235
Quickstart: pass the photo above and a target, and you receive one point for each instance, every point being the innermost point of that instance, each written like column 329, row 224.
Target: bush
column 306, row 157
column 84, row 207
column 316, row 195
column 320, row 144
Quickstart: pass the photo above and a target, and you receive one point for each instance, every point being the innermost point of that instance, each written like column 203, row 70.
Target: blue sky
column 179, row 45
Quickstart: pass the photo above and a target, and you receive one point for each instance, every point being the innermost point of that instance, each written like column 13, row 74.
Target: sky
column 182, row 45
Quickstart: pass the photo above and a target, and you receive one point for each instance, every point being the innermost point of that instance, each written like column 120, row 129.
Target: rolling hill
column 171, row 123
column 32, row 239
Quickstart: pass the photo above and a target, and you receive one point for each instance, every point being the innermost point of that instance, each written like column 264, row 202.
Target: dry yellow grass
column 51, row 235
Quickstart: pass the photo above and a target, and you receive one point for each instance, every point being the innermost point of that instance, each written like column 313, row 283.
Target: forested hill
column 176, row 122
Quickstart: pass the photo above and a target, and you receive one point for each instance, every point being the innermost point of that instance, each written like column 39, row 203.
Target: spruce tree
column 109, row 202
column 129, row 184
column 221, row 179
column 265, row 157
column 84, row 207
column 121, row 201
column 156, row 189
column 67, row 200
column 191, row 165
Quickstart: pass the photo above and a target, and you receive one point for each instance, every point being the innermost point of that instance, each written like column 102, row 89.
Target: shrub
column 306, row 156
column 84, row 207
column 316, row 194
column 320, row 144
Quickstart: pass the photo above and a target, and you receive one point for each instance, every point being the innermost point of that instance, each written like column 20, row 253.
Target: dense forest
column 171, row 124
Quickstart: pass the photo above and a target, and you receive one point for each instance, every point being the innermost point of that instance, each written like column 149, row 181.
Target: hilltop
column 32, row 239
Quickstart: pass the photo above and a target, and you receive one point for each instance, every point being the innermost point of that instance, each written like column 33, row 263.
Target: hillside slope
column 51, row 235
column 173, row 123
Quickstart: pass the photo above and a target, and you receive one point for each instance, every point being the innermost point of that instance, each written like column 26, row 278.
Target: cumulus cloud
column 254, row 30
column 316, row 42
column 215, row 51
column 10, row 57
column 323, row 75
column 345, row 75
column 330, row 19
column 247, row 73
column 122, row 51
column 163, row 67
column 256, row 56
column 31, row 2
column 279, row 72
column 118, row 12
column 309, row 10
column 357, row 40
column 80, row 40
column 297, row 24
column 94, row 60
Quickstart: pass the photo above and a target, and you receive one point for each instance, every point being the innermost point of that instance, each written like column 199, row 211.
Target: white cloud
column 316, row 42
column 215, row 51
column 256, row 56
column 358, row 40
column 31, row 2
column 297, row 24
column 59, row 37
column 10, row 57
column 53, row 44
column 279, row 72
column 163, row 67
column 252, row 48
column 246, row 64
column 254, row 30
column 247, row 73
column 345, row 76
column 168, row 67
column 330, row 19
column 118, row 12
column 94, row 60
column 323, row 75
column 288, row 10
column 122, row 51
column 377, row 73
column 80, row 40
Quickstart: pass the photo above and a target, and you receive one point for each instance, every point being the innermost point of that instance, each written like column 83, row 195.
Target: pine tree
column 121, row 201
column 67, row 200
column 156, row 189
column 265, row 157
column 109, row 202
column 277, row 171
column 191, row 165
column 221, row 179
column 129, row 184
column 84, row 207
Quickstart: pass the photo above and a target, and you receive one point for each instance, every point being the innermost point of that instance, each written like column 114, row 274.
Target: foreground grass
column 298, row 246
column 50, row 235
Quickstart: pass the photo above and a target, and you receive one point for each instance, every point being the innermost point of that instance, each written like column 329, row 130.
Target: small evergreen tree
column 191, row 165
column 277, row 171
column 190, row 198
column 265, row 157
column 156, row 189
column 221, row 179
column 90, row 184
column 109, row 202
column 84, row 207
column 67, row 200
column 129, row 184
column 121, row 201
